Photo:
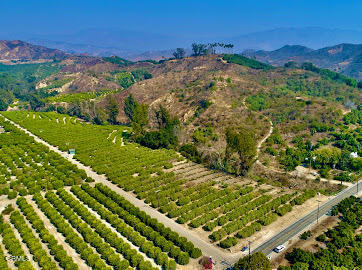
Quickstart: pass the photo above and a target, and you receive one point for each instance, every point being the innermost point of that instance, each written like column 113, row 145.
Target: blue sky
column 193, row 18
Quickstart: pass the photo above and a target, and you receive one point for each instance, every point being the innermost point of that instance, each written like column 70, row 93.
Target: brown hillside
column 19, row 50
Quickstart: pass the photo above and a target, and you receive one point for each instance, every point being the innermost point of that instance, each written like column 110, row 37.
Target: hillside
column 343, row 58
column 16, row 50
column 207, row 94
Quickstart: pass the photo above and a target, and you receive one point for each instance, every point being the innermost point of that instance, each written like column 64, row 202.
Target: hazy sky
column 192, row 18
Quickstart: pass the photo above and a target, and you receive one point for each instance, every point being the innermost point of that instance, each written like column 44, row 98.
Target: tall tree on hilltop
column 199, row 49
column 179, row 53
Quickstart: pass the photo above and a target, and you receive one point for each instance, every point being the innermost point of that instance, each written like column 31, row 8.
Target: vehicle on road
column 279, row 248
column 244, row 248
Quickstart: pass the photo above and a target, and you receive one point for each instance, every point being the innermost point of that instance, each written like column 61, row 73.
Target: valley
column 107, row 163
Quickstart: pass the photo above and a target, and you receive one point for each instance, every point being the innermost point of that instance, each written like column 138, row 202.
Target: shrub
column 8, row 209
column 228, row 242
column 271, row 151
column 168, row 165
column 195, row 253
column 125, row 79
column 183, row 258
column 190, row 151
column 305, row 235
column 257, row 261
column 12, row 194
column 321, row 238
column 299, row 255
column 245, row 61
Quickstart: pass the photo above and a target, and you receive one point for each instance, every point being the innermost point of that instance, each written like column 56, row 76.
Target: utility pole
column 158, row 198
column 249, row 252
column 357, row 186
column 318, row 211
column 310, row 156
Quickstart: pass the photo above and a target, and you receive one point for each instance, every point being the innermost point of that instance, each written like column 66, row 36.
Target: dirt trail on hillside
column 265, row 138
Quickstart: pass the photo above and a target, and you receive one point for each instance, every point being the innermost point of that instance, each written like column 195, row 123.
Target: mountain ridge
column 344, row 58
column 133, row 44
column 17, row 50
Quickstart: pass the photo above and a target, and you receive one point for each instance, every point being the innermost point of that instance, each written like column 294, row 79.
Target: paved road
column 304, row 222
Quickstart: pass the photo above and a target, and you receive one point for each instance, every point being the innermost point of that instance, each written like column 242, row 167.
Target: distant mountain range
column 312, row 37
column 343, row 58
column 133, row 45
column 17, row 50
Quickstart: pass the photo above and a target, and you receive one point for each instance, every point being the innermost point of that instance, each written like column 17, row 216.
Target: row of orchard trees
column 33, row 165
column 163, row 237
column 264, row 215
column 100, row 236
column 111, row 237
column 146, row 245
column 60, row 255
column 13, row 246
column 71, row 237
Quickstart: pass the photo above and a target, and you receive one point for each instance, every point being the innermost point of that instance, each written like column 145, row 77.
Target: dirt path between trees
column 24, row 247
column 60, row 238
column 113, row 230
column 44, row 246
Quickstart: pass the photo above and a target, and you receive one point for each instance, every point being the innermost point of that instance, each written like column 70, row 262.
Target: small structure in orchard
column 71, row 151
column 206, row 262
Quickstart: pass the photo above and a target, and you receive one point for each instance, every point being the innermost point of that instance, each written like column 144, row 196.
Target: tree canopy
column 179, row 53
column 257, row 261
column 243, row 143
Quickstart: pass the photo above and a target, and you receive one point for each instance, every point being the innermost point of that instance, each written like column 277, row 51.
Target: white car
column 279, row 248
